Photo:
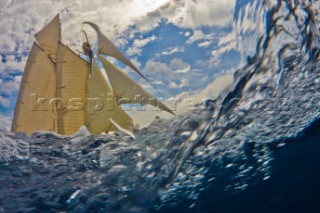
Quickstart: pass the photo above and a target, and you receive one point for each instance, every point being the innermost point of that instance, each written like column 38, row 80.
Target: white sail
column 49, row 36
column 126, row 131
column 108, row 48
column 71, row 90
column 126, row 90
column 101, row 105
column 33, row 110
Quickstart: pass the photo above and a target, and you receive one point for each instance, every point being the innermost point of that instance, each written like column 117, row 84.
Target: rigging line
column 155, row 88
column 89, row 50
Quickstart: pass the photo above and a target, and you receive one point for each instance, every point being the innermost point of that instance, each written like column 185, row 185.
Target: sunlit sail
column 71, row 88
column 33, row 110
column 127, row 89
column 108, row 48
column 60, row 91
column 49, row 37
column 102, row 105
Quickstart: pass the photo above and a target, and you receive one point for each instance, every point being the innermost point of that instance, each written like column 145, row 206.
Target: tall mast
column 87, row 50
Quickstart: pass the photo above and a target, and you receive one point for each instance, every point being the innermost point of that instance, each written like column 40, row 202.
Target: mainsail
column 71, row 88
column 33, row 110
column 61, row 92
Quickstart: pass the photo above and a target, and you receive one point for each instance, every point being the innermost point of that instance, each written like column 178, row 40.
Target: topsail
column 108, row 48
column 49, row 37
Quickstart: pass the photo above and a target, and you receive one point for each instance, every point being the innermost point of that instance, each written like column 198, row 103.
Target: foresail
column 33, row 110
column 101, row 105
column 127, row 90
column 49, row 36
column 108, row 48
column 71, row 89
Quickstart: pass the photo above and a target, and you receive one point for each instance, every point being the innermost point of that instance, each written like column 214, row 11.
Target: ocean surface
column 255, row 148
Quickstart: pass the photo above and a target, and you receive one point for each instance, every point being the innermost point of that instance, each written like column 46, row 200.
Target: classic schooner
column 60, row 91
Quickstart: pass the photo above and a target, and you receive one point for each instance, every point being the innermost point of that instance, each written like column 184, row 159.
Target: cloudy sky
column 180, row 45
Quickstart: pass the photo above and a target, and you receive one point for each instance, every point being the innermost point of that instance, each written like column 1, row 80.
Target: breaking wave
column 220, row 157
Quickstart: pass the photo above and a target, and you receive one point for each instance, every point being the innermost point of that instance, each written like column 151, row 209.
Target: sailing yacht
column 60, row 91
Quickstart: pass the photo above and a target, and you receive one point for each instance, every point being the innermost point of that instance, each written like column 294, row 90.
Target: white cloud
column 180, row 66
column 138, row 44
column 18, row 24
column 11, row 86
column 4, row 4
column 204, row 44
column 182, row 83
column 8, row 89
column 12, row 65
column 143, row 42
column 187, row 34
column 114, row 17
column 5, row 122
column 5, row 102
column 184, row 70
column 173, row 85
column 198, row 35
column 197, row 13
column 7, row 42
column 172, row 50
column 159, row 70
column 158, row 82
column 173, row 72
column 176, row 75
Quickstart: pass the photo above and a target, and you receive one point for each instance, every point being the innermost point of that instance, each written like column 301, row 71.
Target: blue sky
column 181, row 46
